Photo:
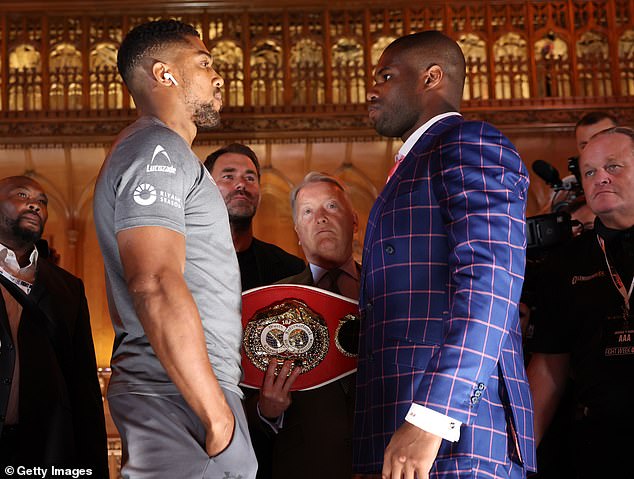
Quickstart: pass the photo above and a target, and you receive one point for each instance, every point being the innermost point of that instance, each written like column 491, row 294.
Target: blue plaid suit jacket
column 443, row 267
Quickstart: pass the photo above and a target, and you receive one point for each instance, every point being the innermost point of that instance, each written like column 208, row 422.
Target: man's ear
column 299, row 241
column 159, row 69
column 355, row 222
column 432, row 76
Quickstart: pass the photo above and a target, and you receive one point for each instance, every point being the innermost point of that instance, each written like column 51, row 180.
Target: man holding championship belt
column 308, row 432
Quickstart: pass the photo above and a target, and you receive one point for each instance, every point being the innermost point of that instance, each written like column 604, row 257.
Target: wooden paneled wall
column 296, row 74
column 68, row 174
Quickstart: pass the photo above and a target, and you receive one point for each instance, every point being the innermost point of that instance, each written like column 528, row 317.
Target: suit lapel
column 306, row 277
column 44, row 312
column 7, row 358
column 4, row 319
column 42, row 283
column 425, row 143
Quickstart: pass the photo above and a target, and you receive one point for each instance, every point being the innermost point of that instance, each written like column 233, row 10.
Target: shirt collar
column 9, row 263
column 349, row 267
column 414, row 137
column 610, row 234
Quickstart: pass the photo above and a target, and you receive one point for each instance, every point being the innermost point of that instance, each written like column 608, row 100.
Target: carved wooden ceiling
column 300, row 69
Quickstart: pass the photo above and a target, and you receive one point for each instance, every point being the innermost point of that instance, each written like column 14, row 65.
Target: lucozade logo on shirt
column 160, row 155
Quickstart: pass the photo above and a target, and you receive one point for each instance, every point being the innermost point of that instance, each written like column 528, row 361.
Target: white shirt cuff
column 434, row 422
column 275, row 425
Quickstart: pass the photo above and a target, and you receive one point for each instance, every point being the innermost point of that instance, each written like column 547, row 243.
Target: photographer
column 585, row 329
column 590, row 124
column 568, row 215
column 567, row 195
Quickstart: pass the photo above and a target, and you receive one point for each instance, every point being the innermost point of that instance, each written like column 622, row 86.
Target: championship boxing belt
column 316, row 329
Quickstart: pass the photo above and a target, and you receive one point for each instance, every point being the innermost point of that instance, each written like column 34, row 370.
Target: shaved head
column 425, row 49
column 23, row 211
column 417, row 77
column 11, row 181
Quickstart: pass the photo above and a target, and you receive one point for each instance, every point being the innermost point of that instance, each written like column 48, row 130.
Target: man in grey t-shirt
column 173, row 281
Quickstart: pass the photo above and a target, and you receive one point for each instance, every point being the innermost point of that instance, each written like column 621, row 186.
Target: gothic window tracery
column 476, row 83
column 106, row 90
column 323, row 55
column 65, row 77
column 386, row 22
column 626, row 62
column 377, row 48
column 229, row 63
column 511, row 67
column 25, row 79
column 266, row 74
column 430, row 17
column 348, row 77
column 24, row 56
column 593, row 64
column 553, row 66
column 308, row 72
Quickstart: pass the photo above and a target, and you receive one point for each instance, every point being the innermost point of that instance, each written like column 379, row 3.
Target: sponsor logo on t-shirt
column 170, row 199
column 144, row 194
column 583, row 279
column 161, row 162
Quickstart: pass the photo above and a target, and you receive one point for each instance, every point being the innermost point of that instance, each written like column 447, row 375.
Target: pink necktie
column 397, row 161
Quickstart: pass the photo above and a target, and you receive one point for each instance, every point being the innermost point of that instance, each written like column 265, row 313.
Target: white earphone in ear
column 169, row 76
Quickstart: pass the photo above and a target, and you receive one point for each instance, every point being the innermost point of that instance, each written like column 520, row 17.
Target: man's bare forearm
column 171, row 321
column 154, row 259
column 547, row 378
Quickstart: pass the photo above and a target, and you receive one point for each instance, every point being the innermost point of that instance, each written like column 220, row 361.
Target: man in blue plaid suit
column 441, row 385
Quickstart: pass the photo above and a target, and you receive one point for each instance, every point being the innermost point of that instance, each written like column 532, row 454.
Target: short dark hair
column 237, row 148
column 595, row 117
column 146, row 39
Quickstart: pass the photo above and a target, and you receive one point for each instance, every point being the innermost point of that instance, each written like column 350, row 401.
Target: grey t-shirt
column 152, row 178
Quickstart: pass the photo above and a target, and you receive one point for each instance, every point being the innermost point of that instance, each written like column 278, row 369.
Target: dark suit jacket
column 305, row 277
column 61, row 419
column 316, row 439
column 443, row 265
column 272, row 263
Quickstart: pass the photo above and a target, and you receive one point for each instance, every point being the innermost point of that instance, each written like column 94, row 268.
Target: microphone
column 548, row 173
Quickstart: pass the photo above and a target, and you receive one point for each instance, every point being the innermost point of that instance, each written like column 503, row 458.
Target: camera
column 548, row 230
column 544, row 231
column 573, row 167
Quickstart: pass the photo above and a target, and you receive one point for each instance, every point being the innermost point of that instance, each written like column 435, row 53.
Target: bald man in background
column 51, row 411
